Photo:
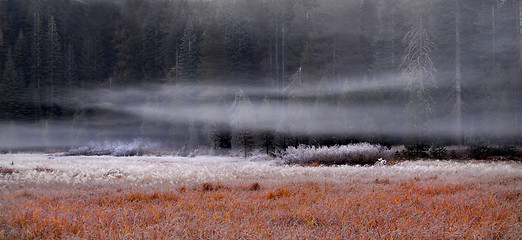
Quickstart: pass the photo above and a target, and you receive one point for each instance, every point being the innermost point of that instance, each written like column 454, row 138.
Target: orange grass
column 381, row 209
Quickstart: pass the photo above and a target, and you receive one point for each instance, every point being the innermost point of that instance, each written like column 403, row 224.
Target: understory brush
column 138, row 147
column 492, row 152
column 352, row 154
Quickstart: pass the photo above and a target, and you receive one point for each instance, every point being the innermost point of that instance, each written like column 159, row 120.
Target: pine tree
column 267, row 125
column 369, row 25
column 71, row 68
column 54, row 68
column 319, row 53
column 220, row 136
column 176, row 24
column 333, row 45
column 213, row 66
column 22, row 61
column 10, row 137
column 419, row 69
column 493, row 49
column 296, row 118
column 22, row 55
column 13, row 90
column 93, row 69
column 242, row 123
column 38, row 61
column 189, row 54
column 344, row 102
column 219, row 131
column 2, row 13
column 193, row 136
column 323, row 93
column 242, row 60
column 389, row 46
column 155, row 37
column 458, row 70
column 298, row 29
column 129, row 46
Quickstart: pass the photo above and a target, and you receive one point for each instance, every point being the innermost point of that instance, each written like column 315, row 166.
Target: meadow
column 102, row 197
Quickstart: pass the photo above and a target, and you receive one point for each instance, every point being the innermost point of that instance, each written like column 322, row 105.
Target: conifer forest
column 261, row 74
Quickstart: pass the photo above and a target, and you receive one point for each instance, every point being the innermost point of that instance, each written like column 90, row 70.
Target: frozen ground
column 43, row 168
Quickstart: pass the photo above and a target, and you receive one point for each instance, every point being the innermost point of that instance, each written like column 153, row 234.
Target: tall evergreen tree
column 71, row 68
column 369, row 29
column 267, row 122
column 242, row 60
column 189, row 54
column 129, row 46
column 296, row 117
column 419, row 69
column 220, row 131
column 155, row 37
column 54, row 68
column 94, row 67
column 213, row 66
column 389, row 46
column 458, row 70
column 298, row 33
column 333, row 43
column 2, row 22
column 344, row 102
column 242, row 123
column 100, row 60
column 13, row 90
column 37, row 63
column 22, row 55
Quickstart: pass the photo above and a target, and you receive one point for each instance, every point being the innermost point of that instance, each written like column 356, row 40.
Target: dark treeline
column 449, row 64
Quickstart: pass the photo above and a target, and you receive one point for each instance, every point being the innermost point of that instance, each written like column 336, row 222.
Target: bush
column 6, row 171
column 360, row 153
column 484, row 152
column 453, row 154
column 438, row 152
column 137, row 147
column 477, row 151
column 415, row 151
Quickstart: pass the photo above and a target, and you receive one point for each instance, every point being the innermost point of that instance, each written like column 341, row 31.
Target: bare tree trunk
column 280, row 86
column 1, row 28
column 176, row 64
column 283, row 54
column 458, row 72
column 277, row 63
column 334, row 48
column 418, row 73
column 493, row 36
column 517, row 10
column 270, row 64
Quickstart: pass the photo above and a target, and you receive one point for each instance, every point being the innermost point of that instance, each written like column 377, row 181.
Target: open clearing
column 43, row 196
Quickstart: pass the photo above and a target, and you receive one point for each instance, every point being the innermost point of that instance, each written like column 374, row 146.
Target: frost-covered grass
column 106, row 197
column 137, row 147
column 29, row 168
column 360, row 153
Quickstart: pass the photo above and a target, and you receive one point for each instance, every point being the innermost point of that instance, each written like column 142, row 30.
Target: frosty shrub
column 135, row 148
column 438, row 152
column 5, row 171
column 360, row 153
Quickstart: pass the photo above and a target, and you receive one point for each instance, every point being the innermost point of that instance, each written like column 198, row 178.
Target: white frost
column 41, row 168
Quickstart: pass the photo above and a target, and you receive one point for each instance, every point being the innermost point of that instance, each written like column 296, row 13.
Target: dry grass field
column 43, row 197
